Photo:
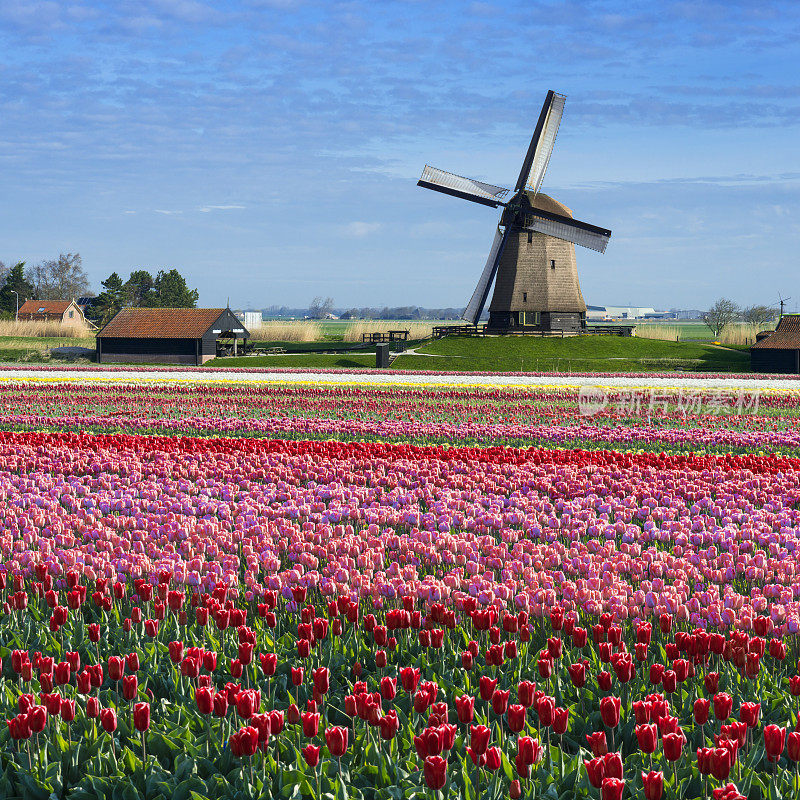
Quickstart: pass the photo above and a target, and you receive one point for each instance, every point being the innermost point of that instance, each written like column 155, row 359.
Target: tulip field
column 247, row 591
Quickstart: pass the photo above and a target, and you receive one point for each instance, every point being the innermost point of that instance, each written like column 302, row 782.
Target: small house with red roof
column 778, row 351
column 51, row 311
column 169, row 335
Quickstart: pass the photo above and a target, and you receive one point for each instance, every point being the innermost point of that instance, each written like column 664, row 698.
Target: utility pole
column 16, row 316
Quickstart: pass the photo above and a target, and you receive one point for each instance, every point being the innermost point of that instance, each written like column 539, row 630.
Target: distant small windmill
column 533, row 252
column 782, row 301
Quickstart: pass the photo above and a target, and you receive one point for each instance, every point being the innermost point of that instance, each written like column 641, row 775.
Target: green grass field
column 573, row 354
column 532, row 354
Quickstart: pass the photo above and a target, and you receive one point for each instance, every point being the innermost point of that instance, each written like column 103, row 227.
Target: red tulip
column 604, row 681
column 500, row 701
column 311, row 755
column 388, row 687
column 774, row 741
column 487, row 687
column 130, row 687
column 723, row 703
column 435, row 772
column 516, row 718
column 493, row 758
column 609, row 711
column 244, row 742
column 409, row 679
column 310, row 724
column 108, row 719
column 598, row 743
column 204, row 698
column 131, row 661
column 37, row 717
column 721, row 763
column 669, row 681
column 612, row 789
column 647, row 736
column 595, row 771
column 467, row 660
column 220, row 704
column 116, row 668
column 322, row 680
column 389, row 724
column 529, row 750
column 141, row 716
column 303, row 648
column 545, row 708
column 465, row 708
column 336, row 739
column 748, row 713
column 560, row 720
column 269, row 663
column 673, row 745
column 701, row 708
column 248, row 703
column 479, row 738
column 62, row 672
column 515, row 790
column 653, row 783
column 18, row 727
column 793, row 745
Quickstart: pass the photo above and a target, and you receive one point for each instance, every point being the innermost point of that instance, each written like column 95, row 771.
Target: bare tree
column 759, row 315
column 59, row 279
column 722, row 313
column 319, row 308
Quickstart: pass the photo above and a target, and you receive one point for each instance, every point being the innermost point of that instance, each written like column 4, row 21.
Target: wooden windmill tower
column 533, row 252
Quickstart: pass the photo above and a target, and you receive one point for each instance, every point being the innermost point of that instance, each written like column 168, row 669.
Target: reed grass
column 416, row 330
column 43, row 329
column 741, row 333
column 293, row 331
column 665, row 333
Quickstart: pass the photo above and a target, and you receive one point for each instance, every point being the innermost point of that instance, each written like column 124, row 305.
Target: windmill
column 533, row 252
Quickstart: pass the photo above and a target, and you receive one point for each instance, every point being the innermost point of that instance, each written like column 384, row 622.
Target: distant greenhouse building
column 602, row 313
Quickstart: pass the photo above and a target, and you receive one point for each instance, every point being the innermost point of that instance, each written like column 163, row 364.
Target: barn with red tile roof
column 779, row 351
column 168, row 335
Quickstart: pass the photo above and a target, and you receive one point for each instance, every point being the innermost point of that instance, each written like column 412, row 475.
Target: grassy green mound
column 573, row 354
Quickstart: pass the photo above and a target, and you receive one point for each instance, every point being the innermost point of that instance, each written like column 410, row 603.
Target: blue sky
column 269, row 149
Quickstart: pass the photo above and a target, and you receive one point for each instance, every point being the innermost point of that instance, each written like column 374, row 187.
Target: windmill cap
column 546, row 203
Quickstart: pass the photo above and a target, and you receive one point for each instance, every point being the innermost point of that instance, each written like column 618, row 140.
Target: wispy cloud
column 359, row 230
column 207, row 209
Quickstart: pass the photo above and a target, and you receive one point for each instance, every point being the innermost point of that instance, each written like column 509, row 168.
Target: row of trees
column 167, row 290
column 64, row 278
column 725, row 312
column 61, row 278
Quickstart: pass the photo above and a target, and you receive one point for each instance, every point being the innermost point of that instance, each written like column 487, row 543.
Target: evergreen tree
column 139, row 288
column 170, row 291
column 110, row 300
column 15, row 281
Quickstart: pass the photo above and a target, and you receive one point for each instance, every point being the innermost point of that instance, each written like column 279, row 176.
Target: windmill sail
column 542, row 142
column 571, row 230
column 465, row 188
column 472, row 313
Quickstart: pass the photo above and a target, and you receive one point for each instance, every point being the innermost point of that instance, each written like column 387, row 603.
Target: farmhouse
column 169, row 335
column 50, row 311
column 779, row 351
